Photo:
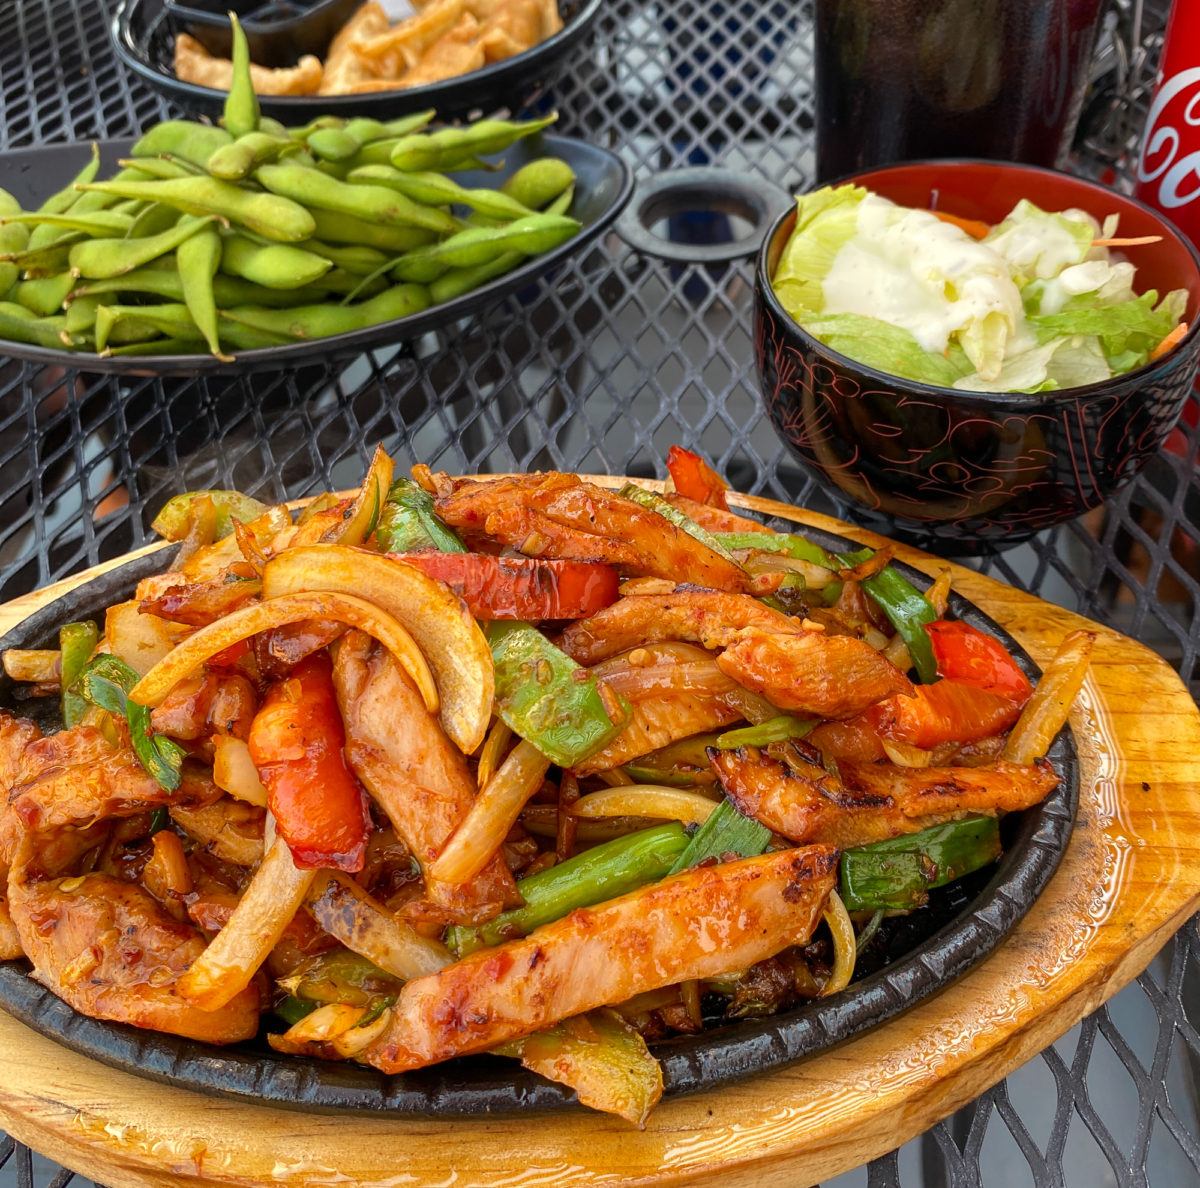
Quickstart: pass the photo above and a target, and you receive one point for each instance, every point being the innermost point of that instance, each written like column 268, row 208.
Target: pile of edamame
column 252, row 235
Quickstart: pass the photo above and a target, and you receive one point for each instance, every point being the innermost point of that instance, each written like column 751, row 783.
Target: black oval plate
column 142, row 35
column 936, row 951
column 603, row 183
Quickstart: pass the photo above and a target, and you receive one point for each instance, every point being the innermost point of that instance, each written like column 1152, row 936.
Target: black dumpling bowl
column 972, row 471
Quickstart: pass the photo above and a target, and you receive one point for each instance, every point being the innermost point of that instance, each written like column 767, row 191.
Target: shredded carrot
column 975, row 228
column 1169, row 342
column 1130, row 241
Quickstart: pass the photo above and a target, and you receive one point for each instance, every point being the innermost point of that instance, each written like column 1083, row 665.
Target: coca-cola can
column 1168, row 176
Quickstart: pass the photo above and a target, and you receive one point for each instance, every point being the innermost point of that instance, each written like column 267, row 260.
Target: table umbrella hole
column 700, row 215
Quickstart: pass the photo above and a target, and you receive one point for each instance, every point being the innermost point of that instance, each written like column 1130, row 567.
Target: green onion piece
column 656, row 503
column 106, row 682
column 907, row 609
column 173, row 520
column 408, row 523
column 548, row 699
column 76, row 642
column 159, row 820
column 292, row 1009
column 601, row 873
column 897, row 874
column 727, row 831
column 778, row 542
column 771, row 731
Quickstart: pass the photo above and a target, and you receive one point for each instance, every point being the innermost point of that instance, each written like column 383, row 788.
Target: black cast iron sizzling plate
column 145, row 43
column 603, row 183
column 931, row 949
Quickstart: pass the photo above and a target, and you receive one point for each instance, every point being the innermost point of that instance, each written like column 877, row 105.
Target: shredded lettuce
column 826, row 220
column 1036, row 306
column 887, row 348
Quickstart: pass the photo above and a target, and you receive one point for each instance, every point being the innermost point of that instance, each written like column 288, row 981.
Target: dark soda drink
column 901, row 80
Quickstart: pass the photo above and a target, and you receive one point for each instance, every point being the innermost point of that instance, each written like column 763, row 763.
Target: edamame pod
column 241, row 104
column 271, row 215
column 228, row 290
column 176, row 322
column 98, row 259
column 457, row 281
column 346, row 229
column 451, row 148
column 333, row 144
column 562, row 203
column 371, row 203
column 530, row 236
column 44, row 297
column 234, row 161
column 321, row 321
column 276, row 266
column 154, row 220
column 44, row 261
column 198, row 258
column 57, row 203
column 354, row 258
column 99, row 222
column 159, row 168
column 188, row 139
column 18, row 324
column 539, row 182
column 13, row 240
column 435, row 189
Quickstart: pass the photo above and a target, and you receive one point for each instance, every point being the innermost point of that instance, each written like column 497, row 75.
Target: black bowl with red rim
column 969, row 471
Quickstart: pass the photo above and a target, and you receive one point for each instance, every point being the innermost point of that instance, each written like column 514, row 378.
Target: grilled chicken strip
column 417, row 776
column 703, row 922
column 15, row 735
column 715, row 519
column 559, row 515
column 109, row 950
column 831, row 676
column 712, row 620
column 654, row 723
column 803, row 802
column 77, row 777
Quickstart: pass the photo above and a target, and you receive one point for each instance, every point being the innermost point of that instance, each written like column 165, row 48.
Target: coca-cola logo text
column 1178, row 176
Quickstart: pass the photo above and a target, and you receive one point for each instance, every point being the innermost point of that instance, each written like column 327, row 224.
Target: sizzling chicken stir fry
column 520, row 766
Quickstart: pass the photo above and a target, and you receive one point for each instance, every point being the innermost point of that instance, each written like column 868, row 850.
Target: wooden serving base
column 1130, row 878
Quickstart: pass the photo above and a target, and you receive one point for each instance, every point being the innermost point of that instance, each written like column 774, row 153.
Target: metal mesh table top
column 600, row 370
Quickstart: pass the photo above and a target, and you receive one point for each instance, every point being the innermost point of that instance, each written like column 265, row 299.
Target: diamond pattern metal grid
column 601, row 370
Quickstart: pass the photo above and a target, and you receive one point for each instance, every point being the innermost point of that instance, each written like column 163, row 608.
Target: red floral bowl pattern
column 973, row 469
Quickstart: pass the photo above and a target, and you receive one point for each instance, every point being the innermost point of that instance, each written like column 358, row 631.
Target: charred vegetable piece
column 907, row 609
column 656, row 503
column 897, row 874
column 521, row 587
column 76, row 642
column 408, row 523
column 296, row 742
column 726, row 831
column 106, row 681
column 771, row 731
column 292, row 1009
column 778, row 542
column 340, row 976
column 965, row 653
column 548, row 699
column 173, row 521
column 601, row 1057
column 601, row 873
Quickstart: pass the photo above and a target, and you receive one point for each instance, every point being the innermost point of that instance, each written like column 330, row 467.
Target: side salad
column 1038, row 302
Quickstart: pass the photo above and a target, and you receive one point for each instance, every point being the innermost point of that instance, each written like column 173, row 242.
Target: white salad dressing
column 911, row 269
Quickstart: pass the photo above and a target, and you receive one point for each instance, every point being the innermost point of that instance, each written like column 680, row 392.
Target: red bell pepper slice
column 964, row 653
column 948, row 711
column 695, row 479
column 296, row 742
column 521, row 587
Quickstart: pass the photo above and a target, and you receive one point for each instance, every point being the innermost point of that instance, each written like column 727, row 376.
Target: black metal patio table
column 622, row 353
